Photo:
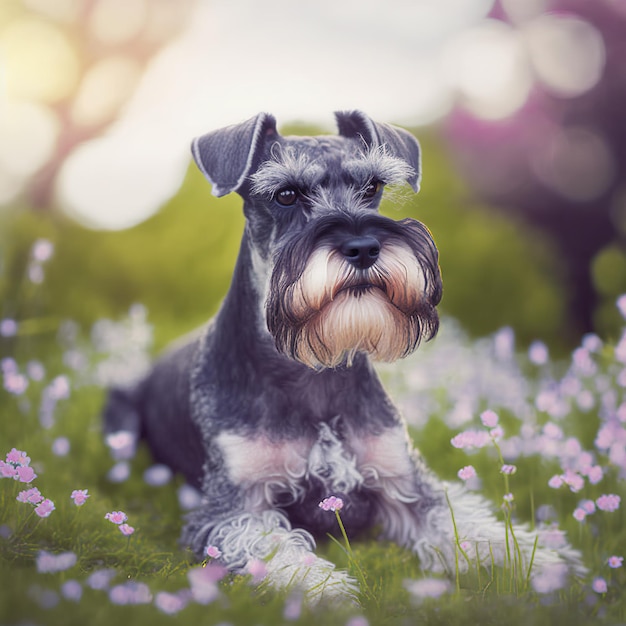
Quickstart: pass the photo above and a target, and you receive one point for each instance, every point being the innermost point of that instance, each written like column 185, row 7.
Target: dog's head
column 336, row 277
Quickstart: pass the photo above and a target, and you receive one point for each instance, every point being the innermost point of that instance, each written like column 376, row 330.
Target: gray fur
column 267, row 429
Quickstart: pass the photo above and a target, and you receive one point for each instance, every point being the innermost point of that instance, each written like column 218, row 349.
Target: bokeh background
column 518, row 104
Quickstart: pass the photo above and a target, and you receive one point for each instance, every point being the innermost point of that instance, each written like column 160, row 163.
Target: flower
column 466, row 473
column 214, row 552
column 170, row 603
column 599, row 585
column 79, row 496
column 127, row 530
column 130, row 593
column 72, row 590
column 508, row 497
column 44, row 508
column 61, row 446
column 17, row 457
column 48, row 563
column 496, row 433
column 42, row 250
column 615, row 561
column 579, row 514
column 556, row 481
column 608, row 502
column 32, row 496
column 489, row 419
column 588, row 506
column 470, row 439
column 25, row 474
column 116, row 517
column 508, row 469
column 331, row 504
column 7, row 470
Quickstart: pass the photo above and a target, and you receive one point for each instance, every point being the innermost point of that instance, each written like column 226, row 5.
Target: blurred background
column 519, row 106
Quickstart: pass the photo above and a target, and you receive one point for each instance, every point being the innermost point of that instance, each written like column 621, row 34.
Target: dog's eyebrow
column 287, row 169
column 378, row 164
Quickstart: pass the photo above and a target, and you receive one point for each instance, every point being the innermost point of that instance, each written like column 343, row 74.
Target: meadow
column 87, row 539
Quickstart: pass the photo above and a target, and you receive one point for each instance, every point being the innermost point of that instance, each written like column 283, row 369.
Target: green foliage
column 179, row 262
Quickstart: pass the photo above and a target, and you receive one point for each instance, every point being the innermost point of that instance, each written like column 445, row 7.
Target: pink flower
column 257, row 569
column 579, row 514
column 489, row 419
column 599, row 585
column 127, row 530
column 508, row 469
column 32, row 496
column 595, row 474
column 116, row 517
column 7, row 470
column 466, row 472
column 615, row 561
column 79, row 496
column 470, row 439
column 496, row 433
column 608, row 502
column 214, row 552
column 17, row 457
column 573, row 480
column 170, row 603
column 588, row 506
column 556, row 481
column 508, row 497
column 331, row 504
column 25, row 474
column 45, row 508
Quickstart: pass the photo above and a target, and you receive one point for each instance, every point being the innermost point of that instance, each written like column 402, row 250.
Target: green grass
column 153, row 556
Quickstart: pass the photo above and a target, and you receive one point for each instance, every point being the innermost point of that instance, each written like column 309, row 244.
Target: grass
column 442, row 390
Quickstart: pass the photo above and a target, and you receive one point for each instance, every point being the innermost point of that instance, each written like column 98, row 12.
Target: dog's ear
column 228, row 155
column 397, row 141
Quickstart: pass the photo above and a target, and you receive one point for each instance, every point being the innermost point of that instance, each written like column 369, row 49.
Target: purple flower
column 79, row 496
column 170, row 603
column 508, row 469
column 8, row 328
column 466, row 473
column 32, row 496
column 50, row 563
column 599, row 585
column 615, row 561
column 588, row 506
column 214, row 552
column 538, row 353
column 508, row 497
column 15, row 383
column 17, row 457
column 608, row 502
column 127, row 530
column 44, row 508
column 72, row 590
column 130, row 593
column 116, row 517
column 61, row 446
column 595, row 474
column 331, row 503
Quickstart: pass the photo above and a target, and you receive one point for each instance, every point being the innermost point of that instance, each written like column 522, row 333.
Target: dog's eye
column 372, row 188
column 286, row 196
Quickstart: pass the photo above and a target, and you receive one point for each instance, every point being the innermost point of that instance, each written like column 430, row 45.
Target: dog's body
column 275, row 406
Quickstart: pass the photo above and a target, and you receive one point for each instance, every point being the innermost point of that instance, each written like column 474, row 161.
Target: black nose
column 362, row 252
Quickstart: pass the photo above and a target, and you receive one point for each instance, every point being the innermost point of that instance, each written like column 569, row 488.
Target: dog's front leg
column 247, row 531
column 447, row 526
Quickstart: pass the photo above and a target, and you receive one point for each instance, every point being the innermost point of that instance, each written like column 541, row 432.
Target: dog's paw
column 316, row 578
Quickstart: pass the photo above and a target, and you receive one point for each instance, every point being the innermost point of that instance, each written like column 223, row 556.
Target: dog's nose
column 362, row 252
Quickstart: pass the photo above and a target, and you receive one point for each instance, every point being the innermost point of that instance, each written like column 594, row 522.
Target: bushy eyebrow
column 378, row 164
column 287, row 169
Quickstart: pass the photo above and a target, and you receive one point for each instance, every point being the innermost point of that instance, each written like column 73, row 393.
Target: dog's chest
column 284, row 472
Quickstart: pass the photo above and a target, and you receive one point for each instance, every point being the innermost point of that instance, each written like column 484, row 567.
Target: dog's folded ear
column 226, row 156
column 396, row 141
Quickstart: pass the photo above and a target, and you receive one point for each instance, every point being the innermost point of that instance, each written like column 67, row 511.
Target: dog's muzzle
column 354, row 284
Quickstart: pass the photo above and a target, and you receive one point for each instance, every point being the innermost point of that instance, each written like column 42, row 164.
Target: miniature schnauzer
column 275, row 405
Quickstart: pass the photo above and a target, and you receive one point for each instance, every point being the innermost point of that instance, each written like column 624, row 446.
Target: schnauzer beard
column 335, row 309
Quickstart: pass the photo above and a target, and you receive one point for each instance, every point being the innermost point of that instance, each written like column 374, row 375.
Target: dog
column 275, row 405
